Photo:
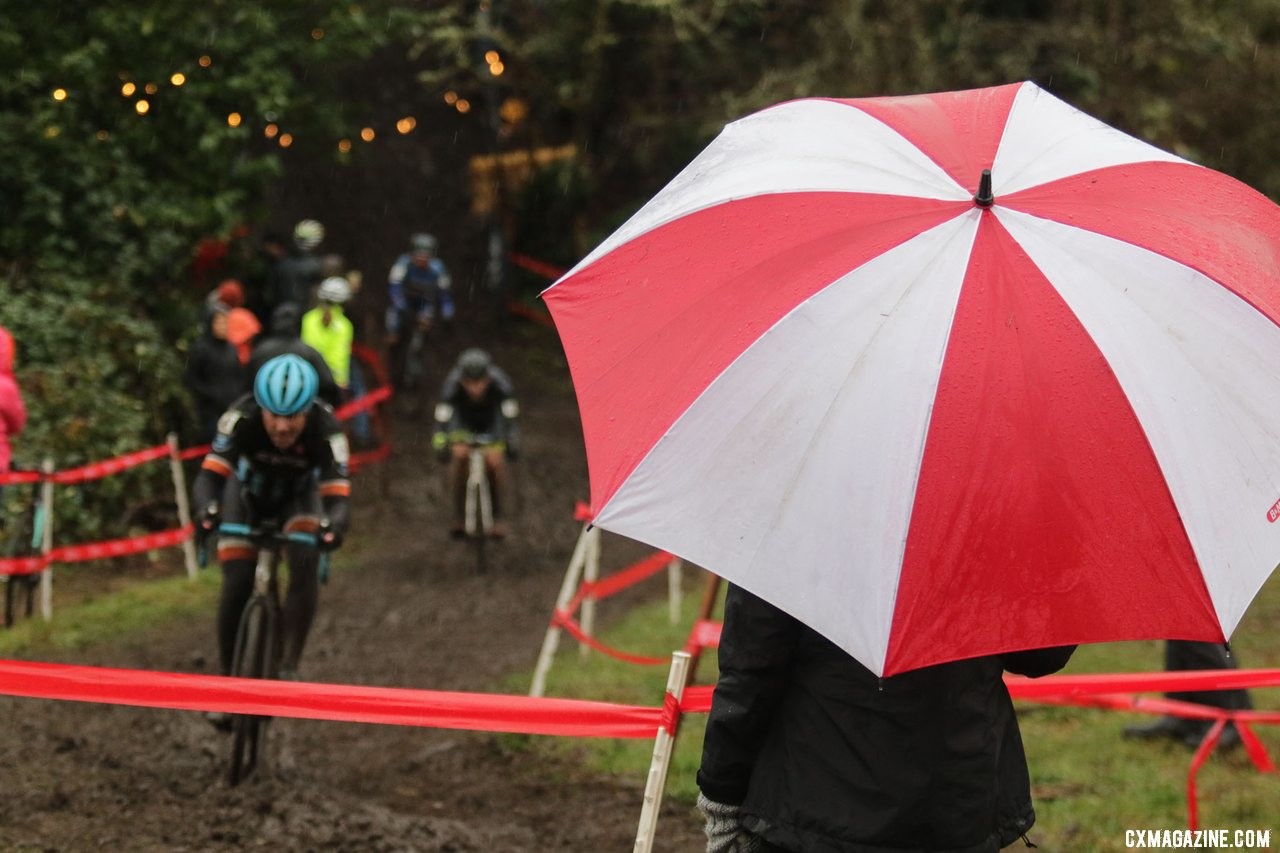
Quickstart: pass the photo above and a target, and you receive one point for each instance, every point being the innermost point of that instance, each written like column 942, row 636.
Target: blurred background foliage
column 105, row 207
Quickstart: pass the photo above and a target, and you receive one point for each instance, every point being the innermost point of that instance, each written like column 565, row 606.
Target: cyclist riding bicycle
column 477, row 401
column 280, row 455
column 418, row 288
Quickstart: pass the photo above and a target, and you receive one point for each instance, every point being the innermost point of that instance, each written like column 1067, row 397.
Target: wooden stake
column 184, row 507
column 567, row 590
column 662, row 747
column 46, row 541
column 591, row 574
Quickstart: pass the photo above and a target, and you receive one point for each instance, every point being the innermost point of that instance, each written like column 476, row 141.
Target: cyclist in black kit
column 279, row 454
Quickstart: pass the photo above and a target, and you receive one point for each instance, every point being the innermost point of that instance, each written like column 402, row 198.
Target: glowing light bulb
column 463, row 105
column 317, row 33
column 59, row 94
column 142, row 106
column 128, row 89
column 233, row 119
column 152, row 88
column 178, row 78
column 491, row 56
column 497, row 68
column 286, row 139
column 344, row 145
column 270, row 131
column 450, row 98
column 205, row 61
column 367, row 134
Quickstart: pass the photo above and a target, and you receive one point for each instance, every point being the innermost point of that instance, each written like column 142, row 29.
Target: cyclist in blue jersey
column 418, row 293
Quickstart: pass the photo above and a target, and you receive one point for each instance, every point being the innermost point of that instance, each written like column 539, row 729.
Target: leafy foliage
column 121, row 155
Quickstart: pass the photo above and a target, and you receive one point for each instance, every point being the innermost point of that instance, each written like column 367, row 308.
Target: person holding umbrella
column 807, row 749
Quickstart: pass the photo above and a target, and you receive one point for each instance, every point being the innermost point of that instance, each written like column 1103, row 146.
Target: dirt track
column 412, row 613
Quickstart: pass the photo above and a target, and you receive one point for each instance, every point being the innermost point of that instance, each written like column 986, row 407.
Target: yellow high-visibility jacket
column 333, row 341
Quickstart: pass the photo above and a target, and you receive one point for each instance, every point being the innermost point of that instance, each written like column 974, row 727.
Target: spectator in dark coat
column 808, row 750
column 215, row 376
column 1183, row 655
column 285, row 336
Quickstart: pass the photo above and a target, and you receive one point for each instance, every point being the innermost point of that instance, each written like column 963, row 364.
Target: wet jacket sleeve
column 13, row 413
column 221, row 460
column 1037, row 662
column 757, row 644
column 335, row 483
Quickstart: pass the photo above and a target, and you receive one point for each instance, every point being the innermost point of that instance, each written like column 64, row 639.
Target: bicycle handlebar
column 269, row 534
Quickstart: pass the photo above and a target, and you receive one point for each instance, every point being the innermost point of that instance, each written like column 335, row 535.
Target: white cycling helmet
column 307, row 234
column 335, row 289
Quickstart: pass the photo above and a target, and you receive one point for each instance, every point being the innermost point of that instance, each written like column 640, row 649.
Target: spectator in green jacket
column 327, row 329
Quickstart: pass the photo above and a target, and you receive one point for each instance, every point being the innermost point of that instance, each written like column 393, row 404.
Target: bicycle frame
column 479, row 502
column 258, row 636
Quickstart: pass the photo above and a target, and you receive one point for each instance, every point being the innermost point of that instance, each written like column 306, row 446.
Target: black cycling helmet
column 474, row 363
column 423, row 242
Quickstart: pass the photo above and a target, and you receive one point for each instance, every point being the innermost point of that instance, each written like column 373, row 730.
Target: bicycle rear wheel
column 256, row 642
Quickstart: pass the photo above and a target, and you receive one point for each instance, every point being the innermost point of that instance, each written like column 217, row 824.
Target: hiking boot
column 1170, row 727
column 1227, row 741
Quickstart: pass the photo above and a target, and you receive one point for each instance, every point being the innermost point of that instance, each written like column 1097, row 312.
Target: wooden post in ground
column 675, row 588
column 184, row 506
column 662, row 747
column 46, row 541
column 710, row 592
column 567, row 590
column 591, row 574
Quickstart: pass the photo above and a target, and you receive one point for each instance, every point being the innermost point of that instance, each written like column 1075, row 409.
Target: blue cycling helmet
column 285, row 385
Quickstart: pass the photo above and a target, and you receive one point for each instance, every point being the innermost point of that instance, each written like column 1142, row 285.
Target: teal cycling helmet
column 286, row 385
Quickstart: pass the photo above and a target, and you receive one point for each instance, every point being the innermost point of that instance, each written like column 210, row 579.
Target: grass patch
column 1090, row 784
column 120, row 613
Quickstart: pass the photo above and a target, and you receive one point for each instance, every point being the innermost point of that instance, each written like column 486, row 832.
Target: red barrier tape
column 360, row 404
column 1153, row 682
column 10, row 566
column 370, row 356
column 670, row 713
column 344, row 702
column 14, row 478
column 582, row 512
column 703, row 635
column 195, row 452
column 628, row 577
column 542, row 318
column 533, row 265
column 563, row 620
column 119, row 547
column 364, row 457
column 98, row 470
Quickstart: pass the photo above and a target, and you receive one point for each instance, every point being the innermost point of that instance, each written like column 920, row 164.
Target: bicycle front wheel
column 253, row 658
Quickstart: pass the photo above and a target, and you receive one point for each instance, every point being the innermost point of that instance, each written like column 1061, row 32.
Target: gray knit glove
column 724, row 833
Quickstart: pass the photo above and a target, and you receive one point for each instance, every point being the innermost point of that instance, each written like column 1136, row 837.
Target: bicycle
column 258, row 642
column 25, row 540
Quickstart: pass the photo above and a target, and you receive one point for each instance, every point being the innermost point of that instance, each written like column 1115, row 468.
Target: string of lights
column 513, row 110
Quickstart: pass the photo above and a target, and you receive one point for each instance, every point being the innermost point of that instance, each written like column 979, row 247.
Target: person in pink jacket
column 13, row 414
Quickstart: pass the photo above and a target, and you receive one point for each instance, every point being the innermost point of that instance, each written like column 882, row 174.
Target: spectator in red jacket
column 13, row 414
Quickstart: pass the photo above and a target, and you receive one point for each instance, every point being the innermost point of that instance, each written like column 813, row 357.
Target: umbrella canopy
column 932, row 418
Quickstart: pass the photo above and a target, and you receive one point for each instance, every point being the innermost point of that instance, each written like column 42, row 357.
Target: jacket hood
column 6, row 351
column 286, row 319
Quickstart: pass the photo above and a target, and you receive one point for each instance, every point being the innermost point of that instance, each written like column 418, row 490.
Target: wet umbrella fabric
column 933, row 426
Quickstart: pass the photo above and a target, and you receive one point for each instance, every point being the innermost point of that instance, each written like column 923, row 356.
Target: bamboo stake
column 591, row 575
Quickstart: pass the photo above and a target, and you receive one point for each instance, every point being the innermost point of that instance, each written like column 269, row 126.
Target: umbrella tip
column 984, row 198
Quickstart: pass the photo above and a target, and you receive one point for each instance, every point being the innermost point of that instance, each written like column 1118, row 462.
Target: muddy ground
column 412, row 613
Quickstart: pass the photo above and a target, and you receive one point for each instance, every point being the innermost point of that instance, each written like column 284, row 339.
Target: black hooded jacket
column 284, row 337
column 822, row 755
column 214, row 376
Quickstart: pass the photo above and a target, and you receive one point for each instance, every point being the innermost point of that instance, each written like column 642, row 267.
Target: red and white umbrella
column 934, row 419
